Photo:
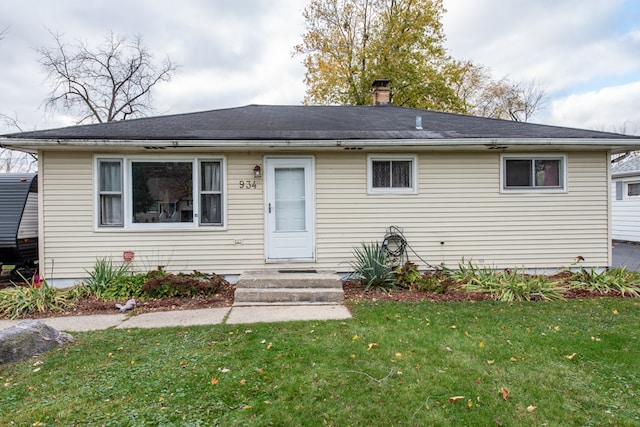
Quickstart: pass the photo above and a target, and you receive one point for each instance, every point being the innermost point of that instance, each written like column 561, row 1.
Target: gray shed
column 18, row 219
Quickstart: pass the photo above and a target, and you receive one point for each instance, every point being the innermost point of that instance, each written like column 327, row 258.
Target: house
column 299, row 187
column 625, row 200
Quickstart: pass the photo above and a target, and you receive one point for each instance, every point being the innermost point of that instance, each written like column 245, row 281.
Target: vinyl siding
column 457, row 212
column 625, row 212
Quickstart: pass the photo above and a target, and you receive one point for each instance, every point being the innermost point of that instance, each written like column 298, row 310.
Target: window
column 533, row 173
column 110, row 192
column 390, row 174
column 633, row 189
column 144, row 193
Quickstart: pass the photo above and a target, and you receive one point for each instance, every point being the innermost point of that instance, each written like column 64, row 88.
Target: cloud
column 614, row 108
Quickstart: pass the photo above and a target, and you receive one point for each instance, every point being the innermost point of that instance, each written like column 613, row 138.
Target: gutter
column 490, row 143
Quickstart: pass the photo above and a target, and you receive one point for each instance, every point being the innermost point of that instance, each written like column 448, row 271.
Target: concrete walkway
column 207, row 316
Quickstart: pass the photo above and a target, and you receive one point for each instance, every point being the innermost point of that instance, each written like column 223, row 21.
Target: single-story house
column 625, row 201
column 299, row 187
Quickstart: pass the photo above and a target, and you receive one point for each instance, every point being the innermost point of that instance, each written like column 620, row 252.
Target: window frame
column 627, row 189
column 413, row 189
column 562, row 178
column 100, row 193
column 126, row 162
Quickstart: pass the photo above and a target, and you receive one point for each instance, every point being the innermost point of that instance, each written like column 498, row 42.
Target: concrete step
column 289, row 279
column 288, row 295
column 280, row 287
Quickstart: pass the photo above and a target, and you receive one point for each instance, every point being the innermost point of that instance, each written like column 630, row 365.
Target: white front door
column 289, row 204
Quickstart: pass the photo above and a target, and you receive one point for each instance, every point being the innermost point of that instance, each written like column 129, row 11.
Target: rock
column 29, row 338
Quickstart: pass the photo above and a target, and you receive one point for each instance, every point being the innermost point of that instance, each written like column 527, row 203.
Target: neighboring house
column 298, row 187
column 625, row 202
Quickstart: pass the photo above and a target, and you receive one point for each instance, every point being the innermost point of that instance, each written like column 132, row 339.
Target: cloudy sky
column 585, row 53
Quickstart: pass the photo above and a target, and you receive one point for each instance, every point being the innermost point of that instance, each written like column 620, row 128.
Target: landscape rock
column 29, row 338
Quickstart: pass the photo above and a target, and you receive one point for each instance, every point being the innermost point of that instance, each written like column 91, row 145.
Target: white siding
column 625, row 212
column 457, row 212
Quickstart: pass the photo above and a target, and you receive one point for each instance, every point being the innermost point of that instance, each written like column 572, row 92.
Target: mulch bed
column 353, row 292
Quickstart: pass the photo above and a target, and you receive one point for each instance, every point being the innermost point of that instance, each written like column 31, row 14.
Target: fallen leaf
column 531, row 408
column 466, row 334
column 355, row 337
column 31, row 388
column 570, row 357
column 616, row 311
column 478, row 380
column 455, row 399
column 372, row 345
column 595, row 339
column 243, row 382
column 110, row 355
column 505, row 393
column 490, row 362
column 452, row 327
column 269, row 346
column 224, row 370
column 513, row 359
column 183, row 363
column 398, row 355
column 353, row 356
column 481, row 345
column 214, row 381
column 260, row 370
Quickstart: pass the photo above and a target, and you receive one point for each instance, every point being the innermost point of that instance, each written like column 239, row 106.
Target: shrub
column 125, row 287
column 607, row 281
column 508, row 285
column 372, row 266
column 161, row 285
column 24, row 300
column 438, row 281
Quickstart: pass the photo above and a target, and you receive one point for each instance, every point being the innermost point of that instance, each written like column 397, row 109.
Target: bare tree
column 110, row 82
column 499, row 99
column 12, row 161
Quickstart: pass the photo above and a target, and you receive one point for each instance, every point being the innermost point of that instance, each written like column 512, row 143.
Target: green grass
column 393, row 364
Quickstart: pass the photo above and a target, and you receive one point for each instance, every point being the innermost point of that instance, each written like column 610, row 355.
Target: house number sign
column 248, row 185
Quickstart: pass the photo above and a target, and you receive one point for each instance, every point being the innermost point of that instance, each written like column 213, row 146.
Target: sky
column 231, row 53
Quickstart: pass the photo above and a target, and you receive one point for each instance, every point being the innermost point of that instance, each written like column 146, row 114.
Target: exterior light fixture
column 257, row 171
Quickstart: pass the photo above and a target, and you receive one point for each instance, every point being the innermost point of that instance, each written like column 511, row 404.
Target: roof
column 259, row 123
column 626, row 168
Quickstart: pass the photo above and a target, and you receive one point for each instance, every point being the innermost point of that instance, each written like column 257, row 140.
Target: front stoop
column 278, row 287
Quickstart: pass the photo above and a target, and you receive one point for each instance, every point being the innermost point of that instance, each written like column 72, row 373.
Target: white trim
column 128, row 224
column 392, row 157
column 534, row 156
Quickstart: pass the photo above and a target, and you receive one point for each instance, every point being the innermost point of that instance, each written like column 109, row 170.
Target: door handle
column 269, row 207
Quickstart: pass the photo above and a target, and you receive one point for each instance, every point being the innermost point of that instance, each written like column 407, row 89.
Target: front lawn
column 394, row 364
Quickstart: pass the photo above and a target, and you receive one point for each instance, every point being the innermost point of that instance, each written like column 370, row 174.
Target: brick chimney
column 381, row 92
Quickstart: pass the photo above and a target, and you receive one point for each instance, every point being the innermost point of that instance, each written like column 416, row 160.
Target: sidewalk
column 208, row 316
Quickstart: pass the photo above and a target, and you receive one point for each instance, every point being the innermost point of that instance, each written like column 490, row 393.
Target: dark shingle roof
column 265, row 122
